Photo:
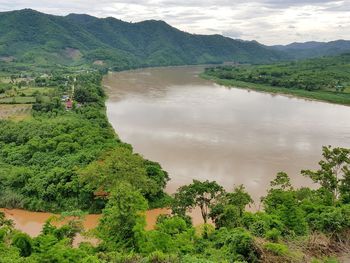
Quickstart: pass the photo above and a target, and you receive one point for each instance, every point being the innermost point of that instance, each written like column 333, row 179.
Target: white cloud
column 268, row 21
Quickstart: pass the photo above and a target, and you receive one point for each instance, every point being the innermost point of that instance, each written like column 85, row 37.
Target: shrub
column 277, row 249
column 273, row 235
column 24, row 243
column 237, row 244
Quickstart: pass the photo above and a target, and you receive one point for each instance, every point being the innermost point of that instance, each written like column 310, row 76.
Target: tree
column 344, row 187
column 4, row 221
column 84, row 94
column 124, row 210
column 239, row 198
column 282, row 181
column 171, row 235
column 69, row 230
column 229, row 209
column 24, row 243
column 282, row 201
column 198, row 194
column 121, row 164
column 225, row 216
column 334, row 171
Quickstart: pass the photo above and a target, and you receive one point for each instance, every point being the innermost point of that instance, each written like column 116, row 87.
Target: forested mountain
column 314, row 49
column 30, row 36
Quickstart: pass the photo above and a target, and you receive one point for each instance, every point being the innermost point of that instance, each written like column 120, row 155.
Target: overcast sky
column 267, row 21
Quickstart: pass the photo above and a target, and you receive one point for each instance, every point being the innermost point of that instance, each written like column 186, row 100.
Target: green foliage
column 24, row 243
column 273, row 235
column 4, row 222
column 334, row 172
column 277, row 249
column 228, row 210
column 236, row 244
column 123, row 217
column 198, row 194
column 322, row 78
column 329, row 219
column 226, row 216
column 285, row 205
column 260, row 223
column 10, row 254
column 44, row 160
column 80, row 39
column 282, row 181
column 120, row 164
column 171, row 235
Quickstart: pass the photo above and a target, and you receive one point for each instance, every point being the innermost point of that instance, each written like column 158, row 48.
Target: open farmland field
column 15, row 111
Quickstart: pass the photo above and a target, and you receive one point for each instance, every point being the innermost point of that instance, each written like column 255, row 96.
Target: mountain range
column 314, row 49
column 28, row 36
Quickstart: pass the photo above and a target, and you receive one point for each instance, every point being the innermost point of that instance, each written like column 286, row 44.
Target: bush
column 24, row 243
column 277, row 249
column 237, row 244
column 159, row 257
column 273, row 235
column 260, row 223
column 333, row 220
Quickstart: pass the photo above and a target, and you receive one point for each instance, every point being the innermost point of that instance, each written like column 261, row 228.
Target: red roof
column 69, row 104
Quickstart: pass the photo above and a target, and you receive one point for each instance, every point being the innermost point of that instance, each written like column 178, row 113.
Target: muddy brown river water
column 197, row 129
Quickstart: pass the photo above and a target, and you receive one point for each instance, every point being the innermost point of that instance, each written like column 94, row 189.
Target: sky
column 268, row 21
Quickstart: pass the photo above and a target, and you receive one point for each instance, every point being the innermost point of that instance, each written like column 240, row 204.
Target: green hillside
column 28, row 36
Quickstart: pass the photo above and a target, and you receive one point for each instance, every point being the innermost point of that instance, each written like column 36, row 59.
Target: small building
column 69, row 104
column 64, row 97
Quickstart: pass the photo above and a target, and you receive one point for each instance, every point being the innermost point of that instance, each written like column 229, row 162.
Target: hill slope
column 314, row 49
column 30, row 36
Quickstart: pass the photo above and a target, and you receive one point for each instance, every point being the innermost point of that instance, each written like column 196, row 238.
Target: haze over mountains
column 314, row 49
column 30, row 36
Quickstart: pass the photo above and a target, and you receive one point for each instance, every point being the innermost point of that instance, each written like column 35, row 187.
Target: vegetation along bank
column 325, row 79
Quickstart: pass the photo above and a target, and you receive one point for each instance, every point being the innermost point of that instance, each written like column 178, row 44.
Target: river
column 197, row 129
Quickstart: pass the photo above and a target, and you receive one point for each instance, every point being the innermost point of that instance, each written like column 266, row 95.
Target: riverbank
column 32, row 222
column 325, row 96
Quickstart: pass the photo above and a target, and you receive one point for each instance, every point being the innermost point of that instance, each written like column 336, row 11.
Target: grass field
column 18, row 100
column 29, row 91
column 15, row 112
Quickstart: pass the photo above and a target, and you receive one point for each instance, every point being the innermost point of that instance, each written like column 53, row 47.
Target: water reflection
column 198, row 129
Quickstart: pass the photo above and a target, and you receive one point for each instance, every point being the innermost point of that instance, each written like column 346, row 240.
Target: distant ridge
column 30, row 36
column 314, row 49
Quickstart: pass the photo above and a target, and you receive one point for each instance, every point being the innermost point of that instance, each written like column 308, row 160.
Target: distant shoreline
column 321, row 96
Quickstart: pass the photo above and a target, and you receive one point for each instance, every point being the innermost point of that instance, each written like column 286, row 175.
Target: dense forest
column 296, row 225
column 51, row 161
column 326, row 78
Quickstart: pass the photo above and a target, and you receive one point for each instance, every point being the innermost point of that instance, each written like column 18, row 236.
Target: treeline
column 296, row 225
column 327, row 74
column 46, row 160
